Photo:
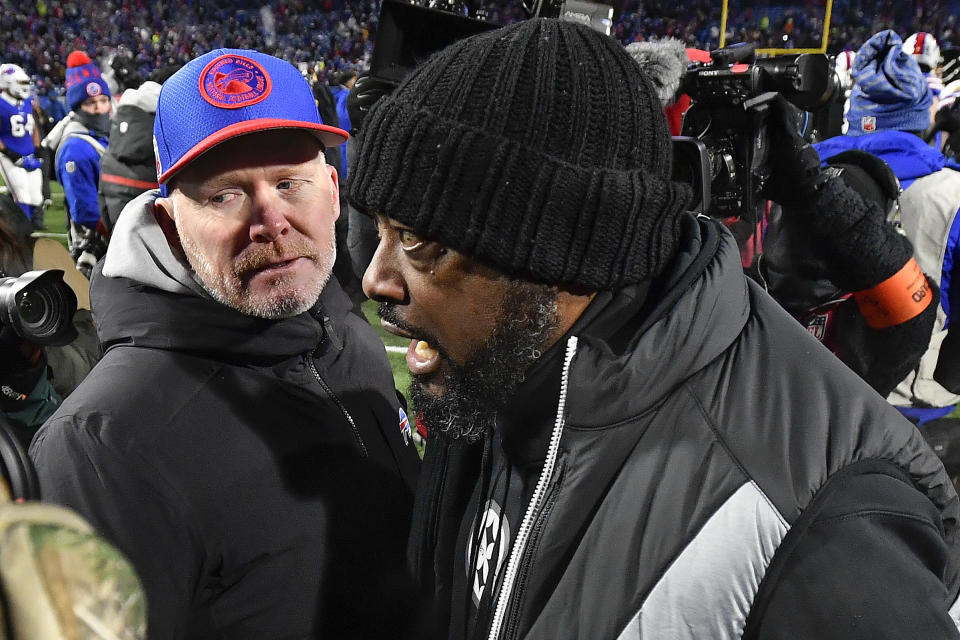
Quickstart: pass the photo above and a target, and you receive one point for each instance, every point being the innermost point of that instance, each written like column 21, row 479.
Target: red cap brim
column 328, row 136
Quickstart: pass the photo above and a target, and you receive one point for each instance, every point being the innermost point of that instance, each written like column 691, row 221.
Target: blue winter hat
column 228, row 93
column 889, row 90
column 83, row 80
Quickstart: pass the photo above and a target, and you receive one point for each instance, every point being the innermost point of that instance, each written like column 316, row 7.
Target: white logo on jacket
column 494, row 540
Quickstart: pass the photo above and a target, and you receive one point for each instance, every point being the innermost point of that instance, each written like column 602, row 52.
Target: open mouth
column 422, row 357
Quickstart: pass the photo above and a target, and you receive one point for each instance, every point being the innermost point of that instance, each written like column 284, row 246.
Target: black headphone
column 872, row 178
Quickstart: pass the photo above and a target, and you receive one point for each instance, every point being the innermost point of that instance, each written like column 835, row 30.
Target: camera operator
column 828, row 239
column 889, row 112
column 35, row 378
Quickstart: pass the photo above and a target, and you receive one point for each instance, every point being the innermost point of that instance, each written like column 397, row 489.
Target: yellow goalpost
column 821, row 49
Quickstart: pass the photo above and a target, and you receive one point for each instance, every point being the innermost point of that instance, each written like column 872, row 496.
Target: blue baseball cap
column 228, row 93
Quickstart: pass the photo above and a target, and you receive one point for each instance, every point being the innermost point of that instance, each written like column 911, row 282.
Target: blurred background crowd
column 328, row 37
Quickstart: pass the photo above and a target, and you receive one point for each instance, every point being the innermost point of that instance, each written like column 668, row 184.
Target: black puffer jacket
column 254, row 471
column 128, row 166
column 717, row 474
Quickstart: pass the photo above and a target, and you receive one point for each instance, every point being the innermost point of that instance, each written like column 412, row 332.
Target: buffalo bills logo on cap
column 93, row 89
column 231, row 82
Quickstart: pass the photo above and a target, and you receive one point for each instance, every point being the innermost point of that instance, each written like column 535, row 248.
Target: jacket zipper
column 532, row 520
column 346, row 414
column 516, row 604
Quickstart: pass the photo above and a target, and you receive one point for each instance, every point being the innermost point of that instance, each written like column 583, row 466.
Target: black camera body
column 39, row 307
column 730, row 98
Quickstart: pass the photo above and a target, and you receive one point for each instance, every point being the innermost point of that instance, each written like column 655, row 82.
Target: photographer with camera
column 627, row 437
column 47, row 345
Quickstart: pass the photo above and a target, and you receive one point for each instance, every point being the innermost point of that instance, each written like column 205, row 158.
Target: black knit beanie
column 539, row 148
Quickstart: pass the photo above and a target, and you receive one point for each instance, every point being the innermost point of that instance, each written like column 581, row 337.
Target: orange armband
column 902, row 296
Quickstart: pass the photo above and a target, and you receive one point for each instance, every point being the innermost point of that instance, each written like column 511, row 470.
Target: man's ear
column 163, row 212
column 335, row 190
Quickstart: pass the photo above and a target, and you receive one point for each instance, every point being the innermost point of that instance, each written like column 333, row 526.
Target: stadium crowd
column 335, row 35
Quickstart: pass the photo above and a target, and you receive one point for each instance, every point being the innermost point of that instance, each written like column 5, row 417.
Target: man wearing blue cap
column 241, row 439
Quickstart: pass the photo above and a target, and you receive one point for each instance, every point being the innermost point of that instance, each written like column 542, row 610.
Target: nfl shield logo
column 817, row 325
column 405, row 427
column 868, row 123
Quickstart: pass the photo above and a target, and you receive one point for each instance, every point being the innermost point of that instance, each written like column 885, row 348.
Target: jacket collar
column 646, row 338
column 692, row 313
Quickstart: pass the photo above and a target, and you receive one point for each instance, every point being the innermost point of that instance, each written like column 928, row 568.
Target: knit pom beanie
column 83, row 80
column 539, row 148
column 889, row 90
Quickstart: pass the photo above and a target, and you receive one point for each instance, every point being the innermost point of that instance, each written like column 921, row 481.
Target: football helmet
column 924, row 49
column 14, row 81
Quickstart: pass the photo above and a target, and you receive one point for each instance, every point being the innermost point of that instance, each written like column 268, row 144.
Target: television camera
column 726, row 125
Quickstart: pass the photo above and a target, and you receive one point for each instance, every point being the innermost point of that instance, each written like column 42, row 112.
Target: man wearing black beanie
column 627, row 438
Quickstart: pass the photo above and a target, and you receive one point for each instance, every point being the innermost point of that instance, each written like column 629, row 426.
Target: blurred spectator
column 77, row 147
column 128, row 166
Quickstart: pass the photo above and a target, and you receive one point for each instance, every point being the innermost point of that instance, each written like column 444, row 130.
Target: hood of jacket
column 908, row 155
column 144, row 294
column 131, row 136
column 695, row 312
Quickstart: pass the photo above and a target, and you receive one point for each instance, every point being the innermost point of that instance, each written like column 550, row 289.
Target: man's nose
column 269, row 217
column 382, row 281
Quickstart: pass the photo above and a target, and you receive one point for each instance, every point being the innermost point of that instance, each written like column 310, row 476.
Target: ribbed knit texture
column 889, row 90
column 540, row 148
column 863, row 249
column 83, row 80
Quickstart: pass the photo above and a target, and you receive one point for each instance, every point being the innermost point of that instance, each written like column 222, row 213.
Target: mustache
column 258, row 257
column 388, row 311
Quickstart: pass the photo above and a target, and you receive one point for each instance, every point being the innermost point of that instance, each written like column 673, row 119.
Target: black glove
column 948, row 119
column 363, row 95
column 21, row 365
column 795, row 173
column 861, row 248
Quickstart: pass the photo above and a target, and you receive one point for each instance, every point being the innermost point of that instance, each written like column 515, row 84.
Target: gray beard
column 475, row 391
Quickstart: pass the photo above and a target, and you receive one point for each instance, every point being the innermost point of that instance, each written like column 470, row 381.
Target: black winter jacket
column 128, row 167
column 254, row 471
column 717, row 473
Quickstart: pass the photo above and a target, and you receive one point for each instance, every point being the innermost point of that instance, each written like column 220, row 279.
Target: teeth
column 425, row 351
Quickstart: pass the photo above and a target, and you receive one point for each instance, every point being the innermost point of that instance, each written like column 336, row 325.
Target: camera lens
column 31, row 311
column 39, row 306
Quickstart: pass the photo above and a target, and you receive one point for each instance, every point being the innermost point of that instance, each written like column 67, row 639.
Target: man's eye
column 408, row 239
